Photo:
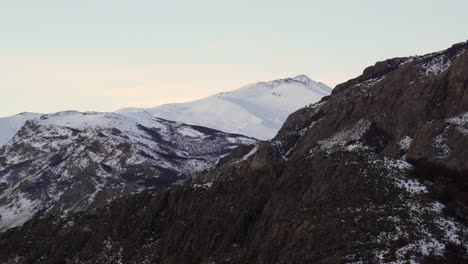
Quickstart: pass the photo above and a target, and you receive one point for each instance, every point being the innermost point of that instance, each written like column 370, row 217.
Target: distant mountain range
column 256, row 110
column 376, row 172
column 69, row 162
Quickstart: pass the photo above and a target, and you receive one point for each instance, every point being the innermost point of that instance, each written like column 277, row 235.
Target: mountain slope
column 375, row 173
column 70, row 161
column 9, row 126
column 257, row 110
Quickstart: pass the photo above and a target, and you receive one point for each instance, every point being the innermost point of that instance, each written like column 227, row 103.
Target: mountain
column 70, row 162
column 256, row 110
column 374, row 173
column 9, row 126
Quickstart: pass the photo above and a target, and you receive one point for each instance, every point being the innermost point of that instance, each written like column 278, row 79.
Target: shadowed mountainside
column 374, row 173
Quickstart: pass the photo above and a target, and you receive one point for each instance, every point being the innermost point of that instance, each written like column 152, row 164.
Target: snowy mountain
column 375, row 173
column 256, row 110
column 70, row 161
column 10, row 125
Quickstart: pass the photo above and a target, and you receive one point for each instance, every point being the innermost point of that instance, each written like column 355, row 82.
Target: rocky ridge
column 374, row 173
column 70, row 161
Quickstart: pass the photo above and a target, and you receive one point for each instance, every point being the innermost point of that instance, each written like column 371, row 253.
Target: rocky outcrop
column 439, row 152
column 347, row 180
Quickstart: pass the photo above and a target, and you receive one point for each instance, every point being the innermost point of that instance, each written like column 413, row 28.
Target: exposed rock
column 332, row 187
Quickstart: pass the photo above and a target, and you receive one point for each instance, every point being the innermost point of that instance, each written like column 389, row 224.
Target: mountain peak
column 257, row 110
column 302, row 78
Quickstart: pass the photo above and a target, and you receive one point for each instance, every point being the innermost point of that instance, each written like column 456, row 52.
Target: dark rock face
column 440, row 152
column 370, row 174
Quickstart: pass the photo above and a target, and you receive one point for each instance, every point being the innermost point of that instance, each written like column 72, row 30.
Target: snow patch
column 397, row 164
column 246, row 156
column 189, row 132
column 203, row 186
column 370, row 82
column 438, row 63
column 17, row 212
column 410, row 218
column 461, row 122
column 435, row 66
column 411, row 186
column 441, row 146
column 405, row 143
column 343, row 138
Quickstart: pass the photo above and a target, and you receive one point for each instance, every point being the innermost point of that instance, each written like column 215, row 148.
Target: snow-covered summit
column 302, row 78
column 257, row 110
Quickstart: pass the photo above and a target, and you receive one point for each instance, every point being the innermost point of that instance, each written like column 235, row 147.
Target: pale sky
column 103, row 55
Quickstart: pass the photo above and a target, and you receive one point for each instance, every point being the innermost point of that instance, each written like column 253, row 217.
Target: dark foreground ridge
column 375, row 173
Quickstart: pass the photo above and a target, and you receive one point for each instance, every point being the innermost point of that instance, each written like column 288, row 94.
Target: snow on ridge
column 9, row 126
column 106, row 145
column 189, row 132
column 370, row 82
column 302, row 78
column 429, row 65
column 125, row 122
column 257, row 110
column 436, row 66
column 438, row 62
column 246, row 156
column 440, row 144
column 461, row 121
column 343, row 138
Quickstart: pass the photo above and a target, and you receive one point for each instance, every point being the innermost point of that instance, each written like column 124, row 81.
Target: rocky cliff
column 374, row 173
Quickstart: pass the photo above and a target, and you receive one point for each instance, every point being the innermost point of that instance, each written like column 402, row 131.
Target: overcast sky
column 104, row 55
